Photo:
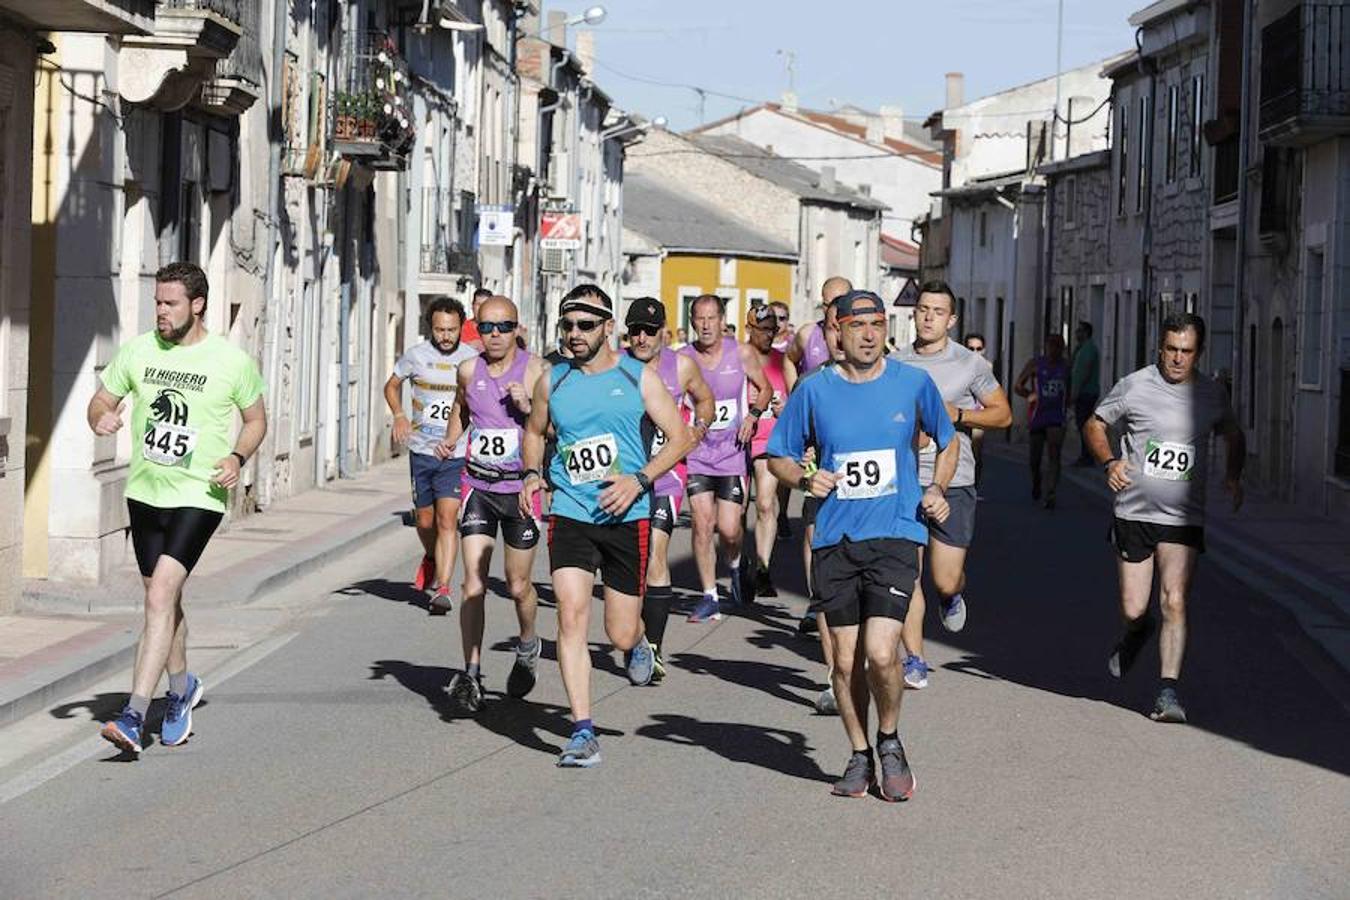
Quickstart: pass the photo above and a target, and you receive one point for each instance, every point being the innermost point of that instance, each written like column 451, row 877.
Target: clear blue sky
column 864, row 52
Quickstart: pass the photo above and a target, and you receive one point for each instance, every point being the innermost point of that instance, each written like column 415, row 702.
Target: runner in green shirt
column 184, row 385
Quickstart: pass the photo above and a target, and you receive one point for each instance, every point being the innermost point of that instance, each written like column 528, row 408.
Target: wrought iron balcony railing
column 1305, row 72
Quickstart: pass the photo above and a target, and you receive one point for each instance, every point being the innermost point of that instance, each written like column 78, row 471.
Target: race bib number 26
column 593, row 459
column 864, row 474
column 1169, row 460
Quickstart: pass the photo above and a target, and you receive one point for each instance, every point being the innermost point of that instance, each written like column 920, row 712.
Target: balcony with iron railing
column 371, row 112
column 446, row 247
column 1305, row 74
column 237, row 84
column 167, row 67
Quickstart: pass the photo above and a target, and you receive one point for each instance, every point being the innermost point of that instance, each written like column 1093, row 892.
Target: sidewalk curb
column 68, row 672
column 1320, row 610
column 74, row 665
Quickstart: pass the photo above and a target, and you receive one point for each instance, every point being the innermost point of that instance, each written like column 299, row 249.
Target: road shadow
column 524, row 722
column 770, row 678
column 1042, row 596
column 776, row 749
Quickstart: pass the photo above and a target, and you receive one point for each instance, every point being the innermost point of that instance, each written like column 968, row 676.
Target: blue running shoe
column 916, row 672
column 125, row 732
column 178, row 717
column 954, row 613
column 641, row 663
column 706, row 609
column 581, row 752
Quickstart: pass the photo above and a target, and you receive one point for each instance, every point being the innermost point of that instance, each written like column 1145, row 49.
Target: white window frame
column 1307, row 339
column 685, row 293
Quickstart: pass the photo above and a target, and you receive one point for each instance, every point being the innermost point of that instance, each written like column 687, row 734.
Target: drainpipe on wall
column 347, row 266
column 267, row 454
column 1244, row 160
column 1147, row 131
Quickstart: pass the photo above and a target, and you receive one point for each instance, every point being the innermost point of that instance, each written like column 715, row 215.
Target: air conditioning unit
column 553, row 260
column 559, row 175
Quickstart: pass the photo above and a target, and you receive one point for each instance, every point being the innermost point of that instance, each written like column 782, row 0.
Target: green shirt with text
column 183, row 400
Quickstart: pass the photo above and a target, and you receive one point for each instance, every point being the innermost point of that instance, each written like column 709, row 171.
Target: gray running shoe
column 1128, row 647
column 522, row 678
column 859, row 776
column 897, row 780
column 826, row 705
column 1167, row 708
column 641, row 663
column 581, row 752
column 466, row 692
column 953, row 613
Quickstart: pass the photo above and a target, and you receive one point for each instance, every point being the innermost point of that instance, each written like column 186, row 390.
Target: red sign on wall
column 560, row 231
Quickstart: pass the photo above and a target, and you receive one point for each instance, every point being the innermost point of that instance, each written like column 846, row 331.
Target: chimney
column 585, row 51
column 893, row 122
column 876, row 130
column 956, row 89
column 789, row 101
column 827, row 183
column 1078, row 135
column 556, row 30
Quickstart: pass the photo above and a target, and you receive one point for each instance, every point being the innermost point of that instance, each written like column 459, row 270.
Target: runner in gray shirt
column 974, row 400
column 433, row 366
column 1164, row 415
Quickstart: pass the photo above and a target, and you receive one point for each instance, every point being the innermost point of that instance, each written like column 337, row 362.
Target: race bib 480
column 593, row 459
column 1169, row 460
column 864, row 474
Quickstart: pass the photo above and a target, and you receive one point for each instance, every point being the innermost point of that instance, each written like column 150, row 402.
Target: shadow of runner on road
column 1044, row 612
column 519, row 721
column 775, row 749
column 771, row 678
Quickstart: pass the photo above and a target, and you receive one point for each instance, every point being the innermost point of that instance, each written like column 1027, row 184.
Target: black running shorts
column 730, row 488
column 619, row 551
column 665, row 513
column 860, row 580
column 482, row 511
column 180, row 532
column 1135, row 541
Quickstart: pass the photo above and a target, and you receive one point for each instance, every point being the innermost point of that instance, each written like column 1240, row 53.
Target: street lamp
column 593, row 15
column 658, row 122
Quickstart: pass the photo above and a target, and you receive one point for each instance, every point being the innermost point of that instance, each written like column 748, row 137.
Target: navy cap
column 646, row 311
column 856, row 303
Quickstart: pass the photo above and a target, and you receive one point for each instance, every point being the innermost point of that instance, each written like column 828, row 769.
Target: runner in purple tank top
column 716, row 485
column 647, row 334
column 492, row 405
column 1044, row 381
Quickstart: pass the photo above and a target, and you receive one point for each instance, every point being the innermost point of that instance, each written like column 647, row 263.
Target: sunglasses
column 648, row 330
column 585, row 326
column 781, row 318
column 498, row 327
column 975, row 348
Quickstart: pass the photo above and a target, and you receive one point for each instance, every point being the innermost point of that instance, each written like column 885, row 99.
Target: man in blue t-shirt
column 868, row 531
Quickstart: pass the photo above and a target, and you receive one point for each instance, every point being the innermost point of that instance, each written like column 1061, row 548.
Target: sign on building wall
column 496, row 225
column 560, row 230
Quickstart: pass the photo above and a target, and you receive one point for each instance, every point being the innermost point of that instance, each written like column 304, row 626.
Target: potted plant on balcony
column 369, row 116
column 344, row 124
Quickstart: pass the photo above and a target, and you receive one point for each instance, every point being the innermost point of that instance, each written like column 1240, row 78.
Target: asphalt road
column 334, row 766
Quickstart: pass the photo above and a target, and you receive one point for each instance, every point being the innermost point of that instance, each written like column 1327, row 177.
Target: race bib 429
column 1169, row 460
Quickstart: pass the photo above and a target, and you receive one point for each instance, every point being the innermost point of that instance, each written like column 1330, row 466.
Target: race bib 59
column 864, row 474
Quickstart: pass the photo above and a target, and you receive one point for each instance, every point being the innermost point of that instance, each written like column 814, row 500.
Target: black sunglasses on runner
column 648, row 330
column 499, row 327
column 583, row 325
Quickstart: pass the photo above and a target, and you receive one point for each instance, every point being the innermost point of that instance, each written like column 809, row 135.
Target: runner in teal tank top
column 602, row 479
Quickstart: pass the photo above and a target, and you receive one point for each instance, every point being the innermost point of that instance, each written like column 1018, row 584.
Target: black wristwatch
column 804, row 484
column 528, row 472
column 1106, row 466
column 243, row 460
column 755, row 412
column 643, row 481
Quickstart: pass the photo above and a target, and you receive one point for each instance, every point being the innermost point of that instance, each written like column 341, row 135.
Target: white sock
column 711, row 594
column 735, row 562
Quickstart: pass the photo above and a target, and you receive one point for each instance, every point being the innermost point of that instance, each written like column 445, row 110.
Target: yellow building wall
column 686, row 276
